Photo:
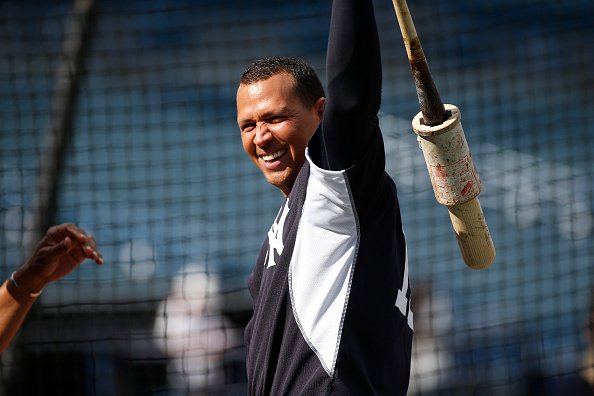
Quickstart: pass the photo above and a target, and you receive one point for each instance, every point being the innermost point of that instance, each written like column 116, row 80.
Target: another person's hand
column 57, row 254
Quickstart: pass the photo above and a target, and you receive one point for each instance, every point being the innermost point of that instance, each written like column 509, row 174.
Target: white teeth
column 273, row 155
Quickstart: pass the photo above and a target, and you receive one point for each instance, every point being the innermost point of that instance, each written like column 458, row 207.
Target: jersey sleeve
column 353, row 74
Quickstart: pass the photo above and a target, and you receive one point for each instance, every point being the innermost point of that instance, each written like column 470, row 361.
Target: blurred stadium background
column 150, row 162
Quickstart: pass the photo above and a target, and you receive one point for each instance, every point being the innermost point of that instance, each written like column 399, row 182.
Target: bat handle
column 472, row 234
column 456, row 184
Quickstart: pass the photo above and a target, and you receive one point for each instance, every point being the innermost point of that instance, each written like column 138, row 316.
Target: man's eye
column 247, row 127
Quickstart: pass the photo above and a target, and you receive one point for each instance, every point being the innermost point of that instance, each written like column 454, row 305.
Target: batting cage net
column 119, row 116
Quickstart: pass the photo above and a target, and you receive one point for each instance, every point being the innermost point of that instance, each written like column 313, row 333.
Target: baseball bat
column 454, row 177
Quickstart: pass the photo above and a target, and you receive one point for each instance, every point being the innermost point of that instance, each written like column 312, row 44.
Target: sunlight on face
column 275, row 127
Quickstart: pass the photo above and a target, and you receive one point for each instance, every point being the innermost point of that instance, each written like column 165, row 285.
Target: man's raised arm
column 354, row 77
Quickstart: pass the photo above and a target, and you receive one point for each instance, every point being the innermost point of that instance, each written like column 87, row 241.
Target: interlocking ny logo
column 275, row 236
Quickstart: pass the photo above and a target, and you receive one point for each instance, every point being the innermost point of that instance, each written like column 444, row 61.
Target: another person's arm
column 58, row 253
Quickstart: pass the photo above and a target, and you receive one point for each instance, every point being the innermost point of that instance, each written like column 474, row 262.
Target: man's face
column 275, row 127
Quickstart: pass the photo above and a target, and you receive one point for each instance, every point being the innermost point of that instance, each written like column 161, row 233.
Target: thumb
column 59, row 249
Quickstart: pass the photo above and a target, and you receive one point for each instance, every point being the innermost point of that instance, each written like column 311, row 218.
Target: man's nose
column 263, row 134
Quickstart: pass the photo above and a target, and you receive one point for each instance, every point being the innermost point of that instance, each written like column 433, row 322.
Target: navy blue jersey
column 330, row 285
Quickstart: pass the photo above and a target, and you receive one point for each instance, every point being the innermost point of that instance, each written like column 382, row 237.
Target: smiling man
column 330, row 285
column 276, row 122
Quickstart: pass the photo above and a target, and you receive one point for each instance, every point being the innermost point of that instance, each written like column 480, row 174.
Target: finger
column 59, row 249
column 84, row 245
column 91, row 242
column 56, row 234
column 96, row 254
column 77, row 233
column 93, row 254
column 98, row 258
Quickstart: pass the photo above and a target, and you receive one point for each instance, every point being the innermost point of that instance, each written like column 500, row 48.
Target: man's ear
column 319, row 107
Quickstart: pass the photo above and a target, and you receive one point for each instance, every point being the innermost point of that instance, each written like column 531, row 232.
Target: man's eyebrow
column 284, row 110
column 269, row 113
column 246, row 120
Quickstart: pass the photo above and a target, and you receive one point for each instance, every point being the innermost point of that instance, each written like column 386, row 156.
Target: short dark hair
column 308, row 85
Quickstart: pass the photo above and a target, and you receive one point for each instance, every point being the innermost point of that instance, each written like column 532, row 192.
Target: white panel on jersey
column 320, row 270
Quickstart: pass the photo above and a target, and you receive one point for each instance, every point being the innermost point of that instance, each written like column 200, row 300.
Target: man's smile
column 273, row 156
